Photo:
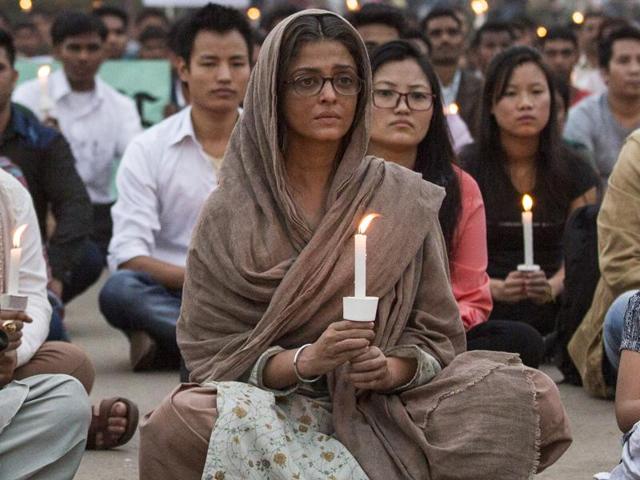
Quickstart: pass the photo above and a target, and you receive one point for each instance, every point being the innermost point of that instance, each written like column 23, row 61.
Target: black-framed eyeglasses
column 311, row 84
column 418, row 101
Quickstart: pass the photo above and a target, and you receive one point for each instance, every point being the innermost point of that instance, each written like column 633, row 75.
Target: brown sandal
column 100, row 424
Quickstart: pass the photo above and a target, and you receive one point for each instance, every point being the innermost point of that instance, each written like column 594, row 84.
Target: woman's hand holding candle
column 538, row 288
column 338, row 344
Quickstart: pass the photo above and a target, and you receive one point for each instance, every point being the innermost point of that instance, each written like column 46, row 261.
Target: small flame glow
column 353, row 5
column 44, row 71
column 527, row 203
column 479, row 6
column 541, row 31
column 25, row 5
column 366, row 221
column 578, row 18
column 452, row 109
column 17, row 235
column 254, row 13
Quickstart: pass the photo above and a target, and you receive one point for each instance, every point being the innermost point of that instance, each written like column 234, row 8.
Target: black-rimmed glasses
column 418, row 101
column 311, row 85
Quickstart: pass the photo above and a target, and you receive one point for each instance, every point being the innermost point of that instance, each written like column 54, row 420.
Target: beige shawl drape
column 619, row 258
column 258, row 275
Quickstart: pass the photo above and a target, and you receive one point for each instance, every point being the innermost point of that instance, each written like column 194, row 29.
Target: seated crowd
column 227, row 229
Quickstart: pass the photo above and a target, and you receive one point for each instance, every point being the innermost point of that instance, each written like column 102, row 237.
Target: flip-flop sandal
column 100, row 424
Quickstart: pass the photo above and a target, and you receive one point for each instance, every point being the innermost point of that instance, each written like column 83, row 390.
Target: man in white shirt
column 165, row 176
column 97, row 121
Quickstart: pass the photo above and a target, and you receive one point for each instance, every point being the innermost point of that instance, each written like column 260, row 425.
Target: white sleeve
column 33, row 278
column 135, row 214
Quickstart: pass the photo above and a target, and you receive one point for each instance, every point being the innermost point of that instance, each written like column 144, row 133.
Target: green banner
column 147, row 82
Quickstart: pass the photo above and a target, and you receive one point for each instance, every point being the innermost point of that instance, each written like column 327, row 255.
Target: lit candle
column 14, row 262
column 361, row 256
column 43, row 79
column 527, row 229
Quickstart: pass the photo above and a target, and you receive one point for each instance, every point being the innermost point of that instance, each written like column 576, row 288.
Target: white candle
column 527, row 229
column 43, row 79
column 361, row 256
column 361, row 265
column 15, row 257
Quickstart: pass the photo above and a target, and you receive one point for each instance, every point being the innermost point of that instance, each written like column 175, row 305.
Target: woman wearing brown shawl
column 271, row 260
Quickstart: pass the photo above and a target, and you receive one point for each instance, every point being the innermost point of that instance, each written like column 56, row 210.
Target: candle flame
column 578, row 18
column 366, row 221
column 353, row 5
column 479, row 7
column 44, row 71
column 527, row 203
column 17, row 235
column 452, row 109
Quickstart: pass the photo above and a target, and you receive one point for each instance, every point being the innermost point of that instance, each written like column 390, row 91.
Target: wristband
column 295, row 367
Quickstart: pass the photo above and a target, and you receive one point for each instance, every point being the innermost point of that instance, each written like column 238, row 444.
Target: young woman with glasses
column 410, row 128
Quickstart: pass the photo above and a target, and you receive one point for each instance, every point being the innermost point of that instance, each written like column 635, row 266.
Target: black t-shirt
column 505, row 240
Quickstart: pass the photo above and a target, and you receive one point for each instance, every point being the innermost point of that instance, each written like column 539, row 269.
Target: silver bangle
column 295, row 367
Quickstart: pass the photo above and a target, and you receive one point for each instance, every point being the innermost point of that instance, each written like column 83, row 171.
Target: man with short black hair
column 602, row 122
column 378, row 23
column 27, row 39
column 560, row 52
column 443, row 29
column 97, row 121
column 116, row 21
column 153, row 44
column 164, row 178
column 490, row 39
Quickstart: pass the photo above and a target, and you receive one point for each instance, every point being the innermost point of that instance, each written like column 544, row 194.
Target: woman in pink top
column 409, row 128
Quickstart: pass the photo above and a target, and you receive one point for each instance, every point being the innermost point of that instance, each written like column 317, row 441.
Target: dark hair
column 6, row 42
column 435, row 157
column 110, row 11
column 5, row 18
column 560, row 33
column 552, row 172
column 25, row 25
column 414, row 34
column 379, row 13
column 492, row 27
column 153, row 33
column 562, row 88
column 150, row 12
column 605, row 47
column 310, row 29
column 211, row 18
column 274, row 15
column 70, row 24
column 591, row 13
column 439, row 12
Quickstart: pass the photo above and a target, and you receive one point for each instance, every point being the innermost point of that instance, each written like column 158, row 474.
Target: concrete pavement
column 596, row 445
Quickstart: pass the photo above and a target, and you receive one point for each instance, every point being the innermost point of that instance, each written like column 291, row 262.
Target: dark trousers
column 102, row 226
column 508, row 336
column 134, row 301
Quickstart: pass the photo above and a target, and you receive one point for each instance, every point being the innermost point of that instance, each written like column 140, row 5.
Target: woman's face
column 524, row 109
column 400, row 127
column 327, row 115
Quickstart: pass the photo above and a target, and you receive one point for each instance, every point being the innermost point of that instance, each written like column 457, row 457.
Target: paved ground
column 596, row 439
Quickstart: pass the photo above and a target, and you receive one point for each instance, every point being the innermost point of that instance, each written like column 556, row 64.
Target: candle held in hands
column 360, row 307
column 527, row 230
column 13, row 284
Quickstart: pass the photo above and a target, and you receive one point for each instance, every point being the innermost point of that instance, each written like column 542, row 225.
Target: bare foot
column 117, row 423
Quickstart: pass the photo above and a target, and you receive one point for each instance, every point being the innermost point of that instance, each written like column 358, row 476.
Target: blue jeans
column 134, row 301
column 614, row 326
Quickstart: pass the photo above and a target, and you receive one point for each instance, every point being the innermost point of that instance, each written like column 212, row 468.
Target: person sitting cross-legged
column 164, row 179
